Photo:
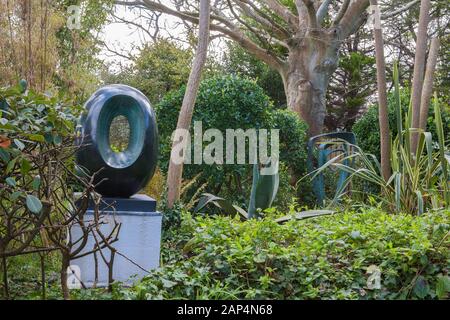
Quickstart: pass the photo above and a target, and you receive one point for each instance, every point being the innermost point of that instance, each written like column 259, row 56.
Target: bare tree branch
column 311, row 13
column 270, row 26
column 323, row 11
column 341, row 12
column 387, row 15
column 353, row 18
column 230, row 30
column 283, row 12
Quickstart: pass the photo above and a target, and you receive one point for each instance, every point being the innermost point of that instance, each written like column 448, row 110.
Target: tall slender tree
column 428, row 83
column 187, row 108
column 419, row 67
column 385, row 136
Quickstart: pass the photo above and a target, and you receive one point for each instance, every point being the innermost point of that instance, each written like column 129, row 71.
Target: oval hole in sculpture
column 119, row 134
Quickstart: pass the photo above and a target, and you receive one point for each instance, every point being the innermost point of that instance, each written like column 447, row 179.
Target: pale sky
column 125, row 38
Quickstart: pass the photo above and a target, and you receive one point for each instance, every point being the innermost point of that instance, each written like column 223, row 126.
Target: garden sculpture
column 118, row 174
column 322, row 148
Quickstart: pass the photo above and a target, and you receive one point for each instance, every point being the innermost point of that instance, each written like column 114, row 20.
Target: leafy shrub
column 419, row 179
column 367, row 128
column 37, row 134
column 31, row 124
column 326, row 258
column 293, row 136
column 37, row 177
column 229, row 102
column 238, row 61
column 159, row 68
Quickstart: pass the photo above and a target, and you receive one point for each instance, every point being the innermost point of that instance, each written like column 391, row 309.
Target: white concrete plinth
column 139, row 240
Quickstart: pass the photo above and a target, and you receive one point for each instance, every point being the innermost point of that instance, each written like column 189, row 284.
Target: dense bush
column 292, row 139
column 238, row 61
column 367, row 128
column 325, row 258
column 229, row 102
column 37, row 179
column 159, row 68
column 33, row 127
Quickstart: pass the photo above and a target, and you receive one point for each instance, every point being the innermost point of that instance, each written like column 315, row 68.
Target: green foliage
column 159, row 68
column 263, row 192
column 349, row 89
column 35, row 130
column 325, row 257
column 419, row 180
column 78, row 49
column 25, row 277
column 240, row 62
column 293, row 136
column 229, row 102
column 32, row 123
column 367, row 128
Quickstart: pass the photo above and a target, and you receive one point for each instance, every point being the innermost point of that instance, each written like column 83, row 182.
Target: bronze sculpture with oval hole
column 121, row 174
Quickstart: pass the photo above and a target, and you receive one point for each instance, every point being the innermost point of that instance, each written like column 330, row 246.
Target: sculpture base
column 138, row 246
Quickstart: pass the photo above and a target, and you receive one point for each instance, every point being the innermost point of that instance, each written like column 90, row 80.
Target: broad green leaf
column 25, row 166
column 33, row 204
column 252, row 202
column 36, row 137
column 398, row 191
column 421, row 287
column 443, row 287
column 419, row 202
column 168, row 284
column 242, row 212
column 4, row 155
column 36, row 183
column 15, row 195
column 398, row 103
column 356, row 235
column 10, row 166
column 10, row 181
column 219, row 202
column 57, row 140
column 304, row 215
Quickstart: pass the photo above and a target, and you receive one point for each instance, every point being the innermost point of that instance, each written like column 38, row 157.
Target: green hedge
column 321, row 258
column 230, row 102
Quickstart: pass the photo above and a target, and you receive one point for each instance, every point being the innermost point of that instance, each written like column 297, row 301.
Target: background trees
column 299, row 39
column 36, row 45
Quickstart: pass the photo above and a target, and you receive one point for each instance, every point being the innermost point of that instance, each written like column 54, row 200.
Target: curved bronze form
column 118, row 174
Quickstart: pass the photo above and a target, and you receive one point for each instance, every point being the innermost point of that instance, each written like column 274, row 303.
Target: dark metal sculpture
column 118, row 174
column 320, row 148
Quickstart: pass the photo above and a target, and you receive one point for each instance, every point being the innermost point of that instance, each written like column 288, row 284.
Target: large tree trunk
column 306, row 78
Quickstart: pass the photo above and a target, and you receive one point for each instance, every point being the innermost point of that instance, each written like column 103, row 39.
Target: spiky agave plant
column 263, row 193
column 419, row 179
